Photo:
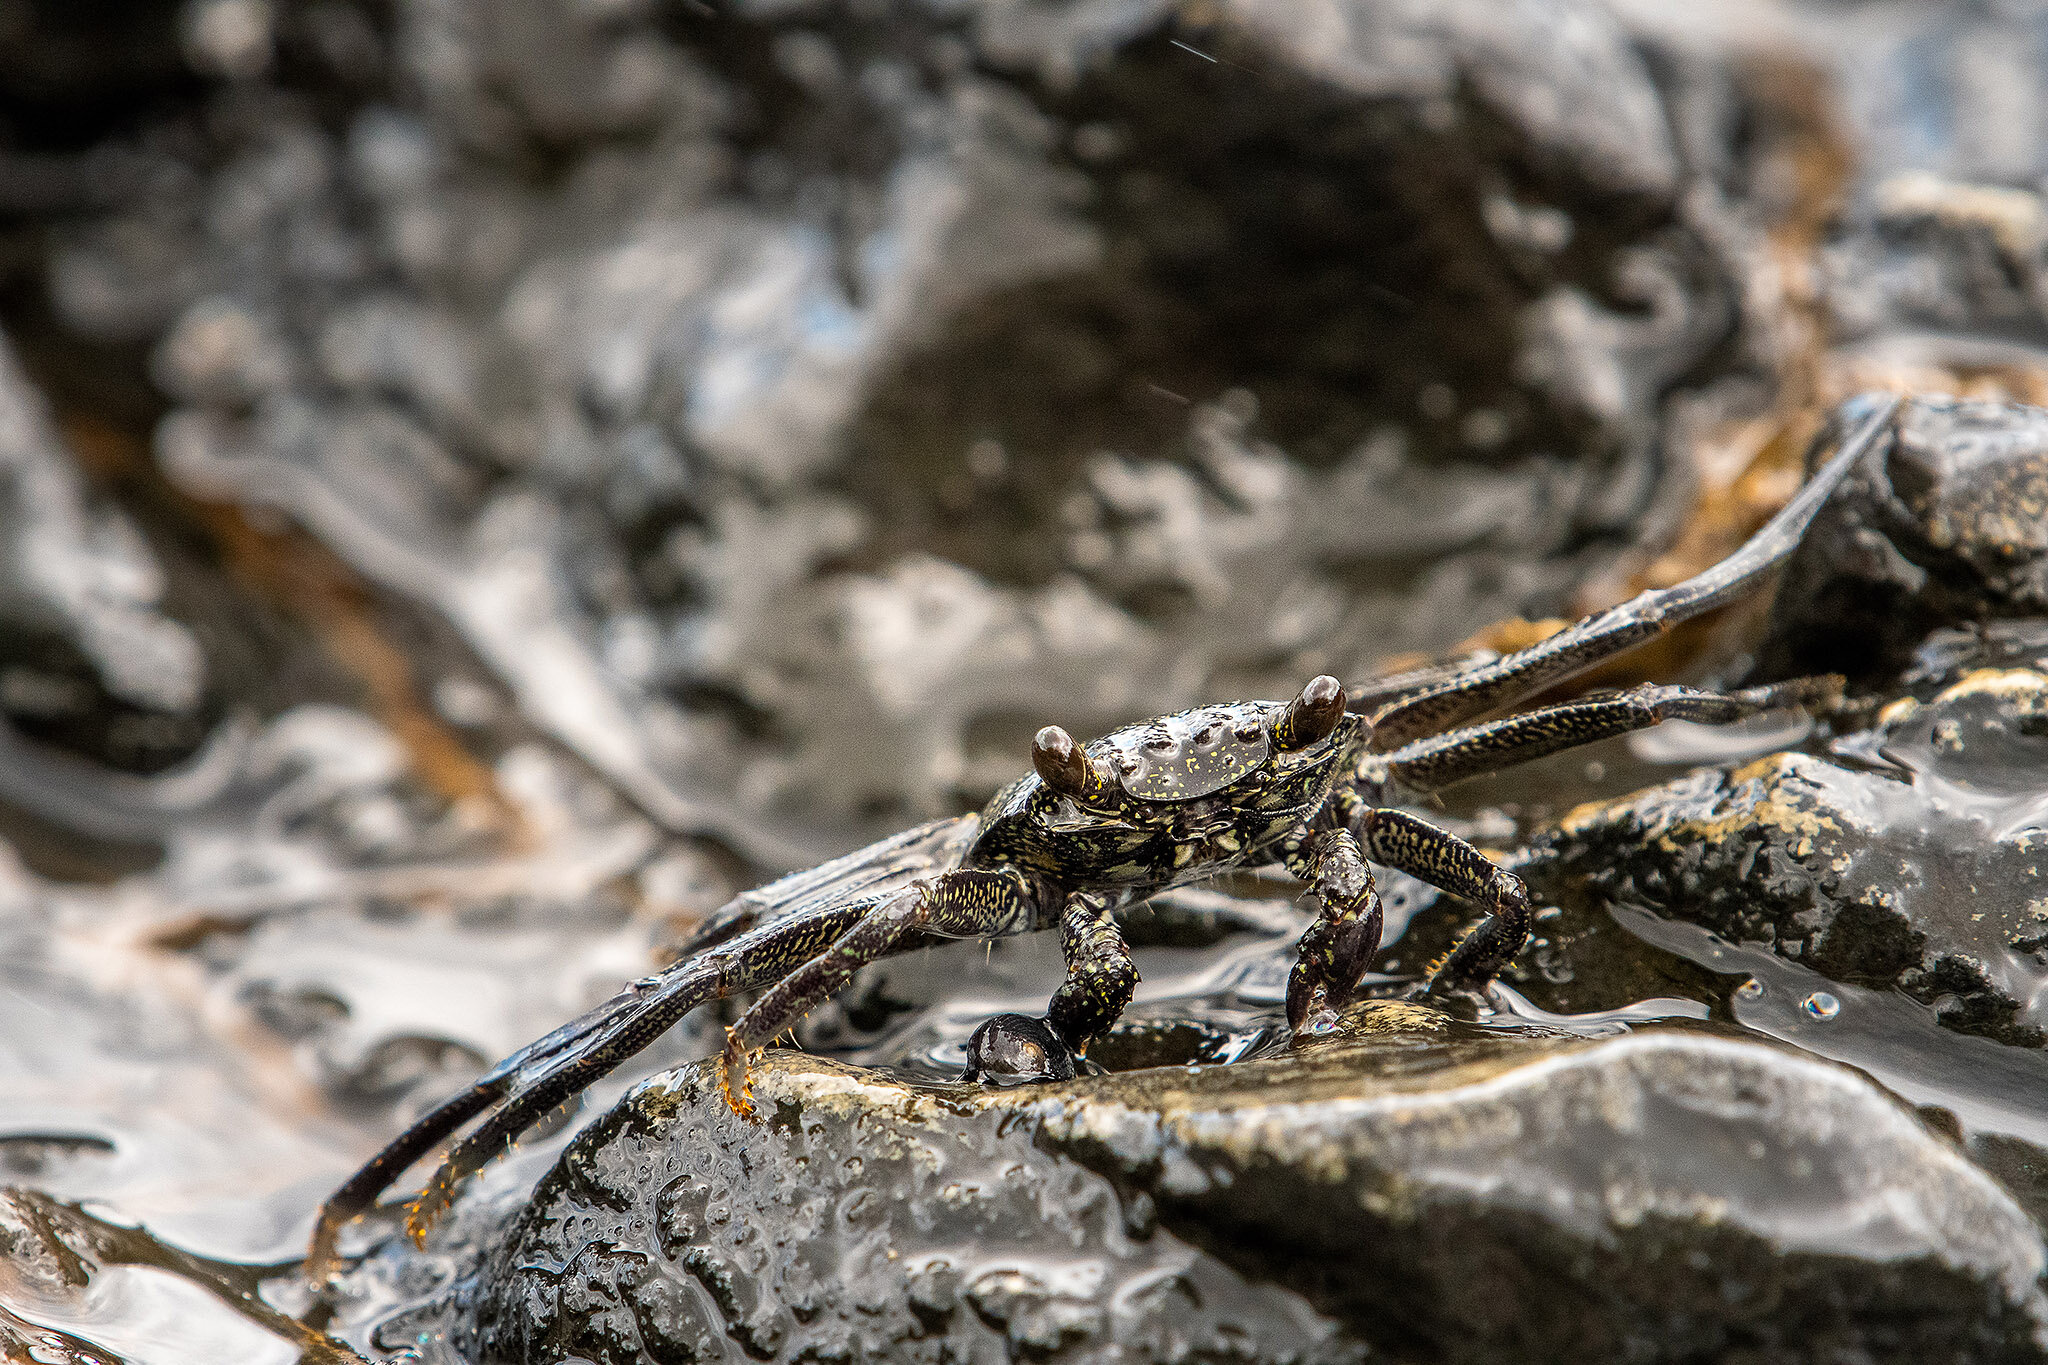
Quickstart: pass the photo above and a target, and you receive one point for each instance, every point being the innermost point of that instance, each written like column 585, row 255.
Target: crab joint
column 739, row 1098
column 1312, row 715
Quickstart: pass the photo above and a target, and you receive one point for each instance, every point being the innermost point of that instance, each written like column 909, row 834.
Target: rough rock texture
column 1909, row 851
column 759, row 417
column 1661, row 1196
column 1944, row 523
column 1910, row 856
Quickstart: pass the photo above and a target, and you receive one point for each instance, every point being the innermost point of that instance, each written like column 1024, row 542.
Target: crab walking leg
column 1432, row 764
column 1338, row 945
column 1376, row 694
column 1101, row 976
column 742, row 964
column 963, row 904
column 1413, row 845
column 360, row 1192
column 854, row 875
column 1514, row 677
column 353, row 1199
column 549, row 1072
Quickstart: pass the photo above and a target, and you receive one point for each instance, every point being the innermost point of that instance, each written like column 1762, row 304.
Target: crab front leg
column 1337, row 948
column 1429, row 765
column 970, row 903
column 1101, row 978
column 1397, row 839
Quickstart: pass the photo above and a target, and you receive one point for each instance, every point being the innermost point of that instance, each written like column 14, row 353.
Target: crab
column 1320, row 784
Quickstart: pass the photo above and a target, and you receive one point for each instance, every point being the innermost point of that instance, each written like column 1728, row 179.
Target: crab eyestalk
column 1310, row 716
column 1064, row 766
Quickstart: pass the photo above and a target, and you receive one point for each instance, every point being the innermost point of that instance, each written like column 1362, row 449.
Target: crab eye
column 1310, row 716
column 1062, row 764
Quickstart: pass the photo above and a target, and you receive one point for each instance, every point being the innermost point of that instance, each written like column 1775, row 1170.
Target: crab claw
column 1334, row 959
column 1312, row 715
column 1016, row 1049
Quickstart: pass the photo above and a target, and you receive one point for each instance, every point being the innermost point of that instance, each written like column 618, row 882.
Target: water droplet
column 1821, row 1005
column 1749, row 990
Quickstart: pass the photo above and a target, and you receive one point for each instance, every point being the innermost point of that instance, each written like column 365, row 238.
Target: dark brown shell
column 1194, row 753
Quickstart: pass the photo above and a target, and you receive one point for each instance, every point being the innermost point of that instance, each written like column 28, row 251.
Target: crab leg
column 1338, row 945
column 960, row 904
column 1377, row 694
column 551, row 1071
column 1514, row 677
column 1430, row 765
column 1101, row 976
column 1413, row 845
column 354, row 1198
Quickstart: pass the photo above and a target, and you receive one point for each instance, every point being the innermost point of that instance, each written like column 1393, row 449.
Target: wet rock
column 1909, row 856
column 88, row 658
column 973, row 320
column 796, row 404
column 97, row 1290
column 1418, row 1189
column 1945, row 523
column 863, row 1221
column 1939, row 269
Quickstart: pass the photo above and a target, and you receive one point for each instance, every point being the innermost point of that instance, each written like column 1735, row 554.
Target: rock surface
column 1912, row 857
column 1658, row 1196
column 872, row 385
column 1946, row 522
column 757, row 418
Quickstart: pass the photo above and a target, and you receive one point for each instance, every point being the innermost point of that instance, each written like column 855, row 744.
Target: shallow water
column 529, row 679
column 166, row 1140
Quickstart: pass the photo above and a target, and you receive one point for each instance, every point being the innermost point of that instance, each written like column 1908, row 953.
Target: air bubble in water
column 1749, row 990
column 1821, row 1005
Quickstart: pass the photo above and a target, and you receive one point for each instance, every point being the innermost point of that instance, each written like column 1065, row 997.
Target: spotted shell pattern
column 1194, row 753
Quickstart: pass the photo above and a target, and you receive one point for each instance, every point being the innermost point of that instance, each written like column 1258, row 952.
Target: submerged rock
column 1418, row 1189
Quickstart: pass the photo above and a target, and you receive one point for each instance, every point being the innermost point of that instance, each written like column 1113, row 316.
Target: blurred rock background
column 481, row 482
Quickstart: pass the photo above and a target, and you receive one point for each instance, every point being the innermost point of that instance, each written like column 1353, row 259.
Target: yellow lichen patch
column 1762, row 793
column 1393, row 1016
column 2012, row 217
column 2022, row 686
column 1590, row 814
column 1898, row 712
